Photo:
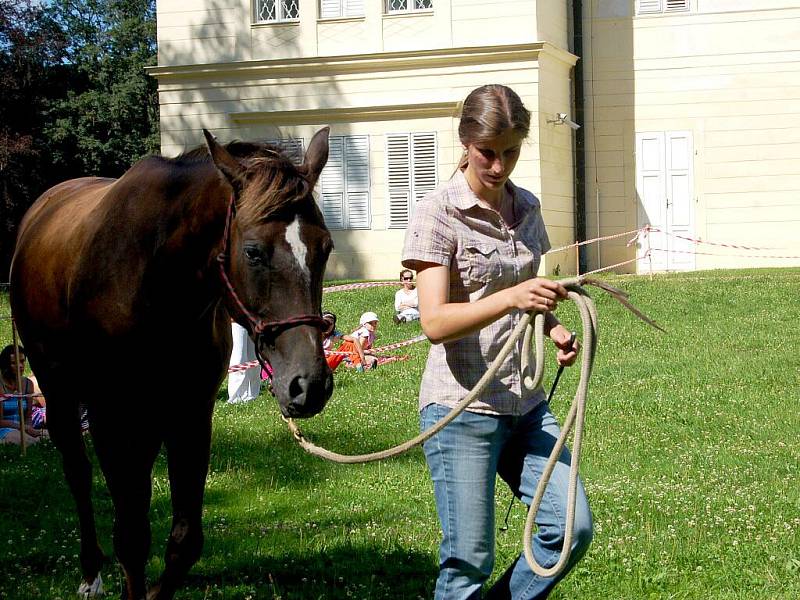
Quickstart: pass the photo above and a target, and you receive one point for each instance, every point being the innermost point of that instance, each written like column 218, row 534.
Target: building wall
column 728, row 72
column 369, row 75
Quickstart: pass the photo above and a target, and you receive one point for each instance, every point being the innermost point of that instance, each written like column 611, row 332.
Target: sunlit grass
column 691, row 461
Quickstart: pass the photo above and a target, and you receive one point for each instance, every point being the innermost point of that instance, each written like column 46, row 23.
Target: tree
column 32, row 48
column 76, row 100
column 109, row 118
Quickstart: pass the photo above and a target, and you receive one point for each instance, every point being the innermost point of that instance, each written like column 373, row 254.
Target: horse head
column 277, row 248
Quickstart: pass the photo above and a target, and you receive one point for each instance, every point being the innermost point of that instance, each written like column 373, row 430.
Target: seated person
column 406, row 304
column 356, row 347
column 12, row 363
column 38, row 406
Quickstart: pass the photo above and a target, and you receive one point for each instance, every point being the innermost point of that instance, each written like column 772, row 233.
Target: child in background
column 356, row 347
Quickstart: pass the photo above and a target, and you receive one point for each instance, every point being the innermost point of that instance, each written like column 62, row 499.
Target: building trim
column 363, row 63
column 316, row 116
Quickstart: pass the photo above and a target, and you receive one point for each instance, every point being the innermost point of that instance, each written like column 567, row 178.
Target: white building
column 689, row 113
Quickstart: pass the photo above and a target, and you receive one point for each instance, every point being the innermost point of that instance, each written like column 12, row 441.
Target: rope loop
column 531, row 326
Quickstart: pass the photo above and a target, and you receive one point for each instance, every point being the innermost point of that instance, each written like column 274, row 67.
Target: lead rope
column 531, row 325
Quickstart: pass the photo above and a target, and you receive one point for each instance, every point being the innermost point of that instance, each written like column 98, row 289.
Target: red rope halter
column 257, row 326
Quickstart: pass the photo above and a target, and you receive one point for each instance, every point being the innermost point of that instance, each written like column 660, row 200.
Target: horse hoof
column 91, row 590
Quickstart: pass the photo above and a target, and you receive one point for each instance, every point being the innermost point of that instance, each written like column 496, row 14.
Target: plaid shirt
column 484, row 255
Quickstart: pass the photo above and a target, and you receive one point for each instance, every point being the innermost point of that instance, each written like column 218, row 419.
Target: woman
column 406, row 302
column 10, row 363
column 476, row 243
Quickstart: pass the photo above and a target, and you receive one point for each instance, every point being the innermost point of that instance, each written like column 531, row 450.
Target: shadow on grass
column 350, row 572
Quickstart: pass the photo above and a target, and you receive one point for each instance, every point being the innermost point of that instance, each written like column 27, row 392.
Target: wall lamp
column 563, row 119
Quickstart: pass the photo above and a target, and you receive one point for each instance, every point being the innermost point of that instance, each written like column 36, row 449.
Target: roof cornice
column 363, row 63
column 350, row 114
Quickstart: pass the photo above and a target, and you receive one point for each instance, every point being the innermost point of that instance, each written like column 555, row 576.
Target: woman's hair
column 490, row 110
column 5, row 357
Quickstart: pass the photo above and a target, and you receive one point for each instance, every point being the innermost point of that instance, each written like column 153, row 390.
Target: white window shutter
column 332, row 185
column 676, row 5
column 353, row 8
column 644, row 7
column 356, row 152
column 330, row 8
column 423, row 164
column 411, row 172
column 398, row 171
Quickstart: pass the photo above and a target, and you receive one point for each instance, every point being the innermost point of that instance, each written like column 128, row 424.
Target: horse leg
column 188, row 451
column 63, row 423
column 126, row 454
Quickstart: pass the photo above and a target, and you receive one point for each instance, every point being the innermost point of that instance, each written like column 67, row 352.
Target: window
column 648, row 7
column 344, row 183
column 293, row 147
column 406, row 6
column 410, row 172
column 277, row 11
column 329, row 9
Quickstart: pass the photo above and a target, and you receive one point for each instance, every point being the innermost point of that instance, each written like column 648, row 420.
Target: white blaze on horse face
column 299, row 249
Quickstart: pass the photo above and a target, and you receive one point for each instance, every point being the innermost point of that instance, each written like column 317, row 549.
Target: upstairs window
column 277, row 11
column 650, row 7
column 344, row 183
column 407, row 6
column 330, row 9
column 410, row 173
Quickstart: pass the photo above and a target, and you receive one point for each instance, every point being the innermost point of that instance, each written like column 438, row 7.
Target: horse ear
column 316, row 155
column 231, row 168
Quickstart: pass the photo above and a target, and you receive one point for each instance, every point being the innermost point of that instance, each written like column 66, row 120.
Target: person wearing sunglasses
column 406, row 304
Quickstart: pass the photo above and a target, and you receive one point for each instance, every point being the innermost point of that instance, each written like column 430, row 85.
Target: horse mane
column 274, row 179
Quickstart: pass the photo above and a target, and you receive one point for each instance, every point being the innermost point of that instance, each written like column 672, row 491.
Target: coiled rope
column 531, row 325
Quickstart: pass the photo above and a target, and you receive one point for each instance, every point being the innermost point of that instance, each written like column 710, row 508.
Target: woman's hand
column 567, row 354
column 537, row 294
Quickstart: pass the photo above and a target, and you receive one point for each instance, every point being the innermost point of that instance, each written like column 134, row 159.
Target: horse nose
column 308, row 395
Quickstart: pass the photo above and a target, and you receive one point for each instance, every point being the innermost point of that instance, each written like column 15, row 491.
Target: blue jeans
column 464, row 460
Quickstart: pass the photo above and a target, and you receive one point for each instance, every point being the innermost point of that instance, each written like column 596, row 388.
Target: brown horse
column 137, row 279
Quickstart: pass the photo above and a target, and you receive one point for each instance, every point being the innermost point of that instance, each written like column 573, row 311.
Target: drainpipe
column 579, row 143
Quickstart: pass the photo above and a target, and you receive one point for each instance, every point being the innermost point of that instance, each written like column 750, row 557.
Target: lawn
column 691, row 461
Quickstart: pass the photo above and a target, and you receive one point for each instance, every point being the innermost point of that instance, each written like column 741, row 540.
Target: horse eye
column 253, row 255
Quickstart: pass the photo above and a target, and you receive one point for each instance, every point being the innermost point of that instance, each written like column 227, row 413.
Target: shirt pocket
column 483, row 263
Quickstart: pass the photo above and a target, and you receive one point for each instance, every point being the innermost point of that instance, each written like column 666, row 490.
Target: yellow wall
column 728, row 72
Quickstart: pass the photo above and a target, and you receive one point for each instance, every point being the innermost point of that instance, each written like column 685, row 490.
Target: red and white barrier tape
column 720, row 244
column 721, row 255
column 254, row 363
column 599, row 239
column 358, row 286
column 382, row 349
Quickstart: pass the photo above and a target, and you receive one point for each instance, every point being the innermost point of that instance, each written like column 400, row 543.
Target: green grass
column 691, row 462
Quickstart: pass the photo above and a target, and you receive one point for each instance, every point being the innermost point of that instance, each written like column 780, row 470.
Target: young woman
column 10, row 362
column 406, row 302
column 476, row 243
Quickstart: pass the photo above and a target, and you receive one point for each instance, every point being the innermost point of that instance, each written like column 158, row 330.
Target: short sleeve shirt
column 449, row 227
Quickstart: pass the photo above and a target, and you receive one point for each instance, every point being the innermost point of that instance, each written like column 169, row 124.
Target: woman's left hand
column 566, row 355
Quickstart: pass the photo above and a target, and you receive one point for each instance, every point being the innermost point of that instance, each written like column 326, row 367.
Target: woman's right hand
column 538, row 294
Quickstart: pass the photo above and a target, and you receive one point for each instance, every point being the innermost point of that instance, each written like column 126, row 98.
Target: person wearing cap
column 356, row 347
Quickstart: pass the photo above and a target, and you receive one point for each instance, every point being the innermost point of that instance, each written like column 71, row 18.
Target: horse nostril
column 297, row 390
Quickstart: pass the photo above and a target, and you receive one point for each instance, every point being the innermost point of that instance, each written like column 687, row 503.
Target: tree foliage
column 76, row 99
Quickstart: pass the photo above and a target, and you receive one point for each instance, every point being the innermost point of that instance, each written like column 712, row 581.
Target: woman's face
column 492, row 162
column 408, row 280
column 15, row 365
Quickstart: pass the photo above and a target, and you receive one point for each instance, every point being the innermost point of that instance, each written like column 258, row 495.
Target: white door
column 664, row 190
